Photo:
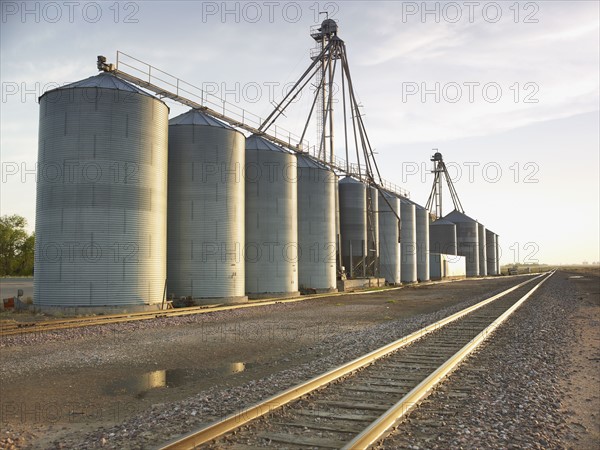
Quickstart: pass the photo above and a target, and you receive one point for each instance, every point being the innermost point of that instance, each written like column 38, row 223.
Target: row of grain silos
column 132, row 207
column 246, row 217
column 395, row 234
column 459, row 234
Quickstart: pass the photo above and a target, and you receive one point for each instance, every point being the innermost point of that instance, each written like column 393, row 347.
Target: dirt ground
column 59, row 386
column 581, row 383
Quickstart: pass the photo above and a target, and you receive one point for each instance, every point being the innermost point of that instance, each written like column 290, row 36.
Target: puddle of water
column 236, row 367
column 139, row 385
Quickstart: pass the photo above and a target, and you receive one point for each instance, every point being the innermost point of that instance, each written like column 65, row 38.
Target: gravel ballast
column 166, row 420
column 171, row 420
column 326, row 334
column 510, row 393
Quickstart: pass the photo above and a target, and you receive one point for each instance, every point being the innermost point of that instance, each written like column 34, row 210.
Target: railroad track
column 14, row 328
column 355, row 405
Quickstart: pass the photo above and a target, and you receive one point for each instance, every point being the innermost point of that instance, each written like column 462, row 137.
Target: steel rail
column 379, row 428
column 16, row 328
column 51, row 325
column 239, row 418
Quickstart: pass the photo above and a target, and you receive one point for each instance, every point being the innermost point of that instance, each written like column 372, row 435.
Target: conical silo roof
column 442, row 222
column 195, row 117
column 255, row 142
column 105, row 80
column 305, row 161
column 387, row 194
column 349, row 180
column 417, row 206
column 456, row 216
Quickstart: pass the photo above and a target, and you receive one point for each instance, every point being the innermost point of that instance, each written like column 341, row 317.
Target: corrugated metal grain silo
column 467, row 237
column 317, row 186
column 482, row 250
column 353, row 224
column 271, row 250
column 389, row 247
column 442, row 237
column 408, row 242
column 490, row 239
column 101, row 212
column 422, row 228
column 206, row 210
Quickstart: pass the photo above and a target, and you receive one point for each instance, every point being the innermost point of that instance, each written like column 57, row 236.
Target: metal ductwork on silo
column 353, row 226
column 467, row 237
column 101, row 212
column 317, row 186
column 372, row 231
column 422, row 229
column 490, row 244
column 389, row 237
column 338, row 236
column 271, row 250
column 482, row 250
column 206, row 210
column 442, row 237
column 408, row 242
column 498, row 254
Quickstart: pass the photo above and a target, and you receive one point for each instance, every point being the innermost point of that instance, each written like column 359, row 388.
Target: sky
column 508, row 92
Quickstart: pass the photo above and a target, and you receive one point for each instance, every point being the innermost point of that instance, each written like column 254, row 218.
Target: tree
column 16, row 246
column 24, row 260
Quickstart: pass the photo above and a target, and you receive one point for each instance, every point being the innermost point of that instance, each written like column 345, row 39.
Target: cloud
column 407, row 45
column 554, row 61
